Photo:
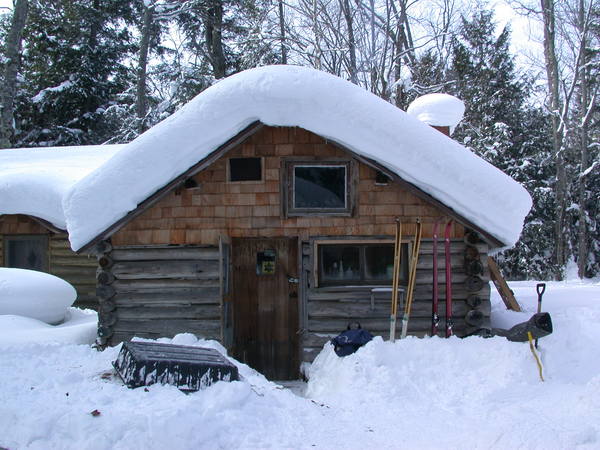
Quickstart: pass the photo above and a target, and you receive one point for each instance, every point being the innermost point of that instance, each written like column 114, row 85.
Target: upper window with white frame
column 316, row 187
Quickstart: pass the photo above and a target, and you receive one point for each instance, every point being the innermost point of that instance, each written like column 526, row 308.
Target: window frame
column 262, row 170
column 362, row 244
column 41, row 238
column 288, row 192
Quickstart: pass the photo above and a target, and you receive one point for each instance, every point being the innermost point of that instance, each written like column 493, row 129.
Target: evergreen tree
column 73, row 70
column 500, row 127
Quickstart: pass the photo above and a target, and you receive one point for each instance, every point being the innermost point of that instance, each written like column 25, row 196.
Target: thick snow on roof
column 33, row 181
column 319, row 102
column 438, row 109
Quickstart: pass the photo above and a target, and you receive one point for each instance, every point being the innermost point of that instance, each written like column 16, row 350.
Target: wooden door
column 265, row 305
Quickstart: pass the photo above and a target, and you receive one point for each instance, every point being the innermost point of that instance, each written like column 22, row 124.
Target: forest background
column 77, row 72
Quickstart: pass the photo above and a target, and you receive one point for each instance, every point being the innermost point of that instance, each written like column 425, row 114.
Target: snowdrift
column 33, row 181
column 33, row 294
column 415, row 393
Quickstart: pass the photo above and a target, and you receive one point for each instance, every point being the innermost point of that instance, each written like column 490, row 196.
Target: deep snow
column 415, row 393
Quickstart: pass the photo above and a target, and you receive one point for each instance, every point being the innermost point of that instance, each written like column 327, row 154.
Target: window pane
column 245, row 169
column 379, row 261
column 340, row 263
column 320, row 187
column 26, row 254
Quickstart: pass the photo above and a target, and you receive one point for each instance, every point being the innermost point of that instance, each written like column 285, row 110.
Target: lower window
column 25, row 252
column 372, row 264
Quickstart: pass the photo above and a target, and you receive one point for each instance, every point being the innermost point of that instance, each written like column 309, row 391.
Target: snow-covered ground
column 413, row 394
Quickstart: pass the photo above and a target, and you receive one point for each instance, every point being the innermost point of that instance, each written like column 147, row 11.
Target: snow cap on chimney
column 441, row 111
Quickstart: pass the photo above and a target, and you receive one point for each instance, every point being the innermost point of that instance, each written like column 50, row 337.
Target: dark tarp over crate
column 188, row 368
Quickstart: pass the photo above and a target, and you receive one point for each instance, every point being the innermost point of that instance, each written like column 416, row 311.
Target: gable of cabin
column 176, row 266
column 30, row 243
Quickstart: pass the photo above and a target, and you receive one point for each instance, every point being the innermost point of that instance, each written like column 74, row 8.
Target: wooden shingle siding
column 218, row 207
column 330, row 309
column 79, row 270
column 160, row 291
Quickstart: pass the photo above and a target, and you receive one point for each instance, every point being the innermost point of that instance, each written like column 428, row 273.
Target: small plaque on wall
column 265, row 262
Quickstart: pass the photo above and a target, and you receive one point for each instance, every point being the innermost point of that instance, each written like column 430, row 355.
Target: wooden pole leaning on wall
column 505, row 293
column 396, row 278
column 412, row 276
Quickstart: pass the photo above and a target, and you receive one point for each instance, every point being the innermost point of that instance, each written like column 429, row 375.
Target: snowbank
column 319, row 102
column 79, row 327
column 34, row 294
column 415, row 393
column 33, row 181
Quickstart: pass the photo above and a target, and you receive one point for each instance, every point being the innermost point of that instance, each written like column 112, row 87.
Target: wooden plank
column 507, row 295
column 153, row 253
column 161, row 269
column 373, row 325
column 161, row 285
column 173, row 297
column 144, row 312
column 422, row 292
column 355, row 310
column 76, row 261
column 60, row 243
column 170, row 327
column 73, row 271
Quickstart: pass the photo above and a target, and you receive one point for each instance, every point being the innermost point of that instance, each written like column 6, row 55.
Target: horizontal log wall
column 330, row 309
column 157, row 292
column 79, row 270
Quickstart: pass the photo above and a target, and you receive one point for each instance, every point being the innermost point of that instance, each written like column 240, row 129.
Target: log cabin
column 262, row 215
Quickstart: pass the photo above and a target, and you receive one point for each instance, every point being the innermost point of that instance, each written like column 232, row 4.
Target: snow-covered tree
column 73, row 69
column 500, row 126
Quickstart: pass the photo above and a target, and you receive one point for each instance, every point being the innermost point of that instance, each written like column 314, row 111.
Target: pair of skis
column 435, row 318
column 412, row 275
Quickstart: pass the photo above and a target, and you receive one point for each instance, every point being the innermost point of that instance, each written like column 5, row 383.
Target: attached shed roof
column 33, row 181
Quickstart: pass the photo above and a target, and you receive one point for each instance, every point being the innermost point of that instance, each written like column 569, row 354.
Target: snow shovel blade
column 539, row 325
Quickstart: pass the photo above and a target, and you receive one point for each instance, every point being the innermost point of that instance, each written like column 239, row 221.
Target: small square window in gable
column 245, row 169
column 381, row 179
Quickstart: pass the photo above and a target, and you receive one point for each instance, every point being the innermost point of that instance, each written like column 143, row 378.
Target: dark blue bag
column 351, row 340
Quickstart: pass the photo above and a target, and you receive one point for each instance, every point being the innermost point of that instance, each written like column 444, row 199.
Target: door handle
column 293, row 280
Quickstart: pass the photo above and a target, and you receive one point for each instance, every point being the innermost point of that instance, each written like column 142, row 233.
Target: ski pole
column 540, row 288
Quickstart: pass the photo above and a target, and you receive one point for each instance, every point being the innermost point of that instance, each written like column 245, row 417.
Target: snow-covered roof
column 437, row 109
column 33, row 181
column 99, row 185
column 319, row 102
